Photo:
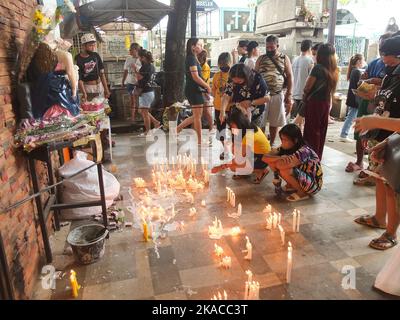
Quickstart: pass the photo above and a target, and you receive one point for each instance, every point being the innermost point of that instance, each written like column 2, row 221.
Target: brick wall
column 19, row 227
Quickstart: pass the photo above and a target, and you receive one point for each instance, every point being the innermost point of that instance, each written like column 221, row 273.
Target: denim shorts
column 146, row 99
column 130, row 87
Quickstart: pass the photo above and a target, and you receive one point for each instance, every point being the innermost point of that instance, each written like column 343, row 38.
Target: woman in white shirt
column 253, row 53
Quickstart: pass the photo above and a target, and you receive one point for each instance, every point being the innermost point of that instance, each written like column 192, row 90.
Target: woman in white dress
column 388, row 279
column 253, row 52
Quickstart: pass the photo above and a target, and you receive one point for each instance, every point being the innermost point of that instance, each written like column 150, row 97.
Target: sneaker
column 346, row 140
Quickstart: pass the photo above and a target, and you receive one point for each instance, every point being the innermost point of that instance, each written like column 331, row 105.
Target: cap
column 391, row 47
column 88, row 37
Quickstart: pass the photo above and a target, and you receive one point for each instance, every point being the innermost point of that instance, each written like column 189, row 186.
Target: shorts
column 258, row 163
column 207, row 99
column 194, row 96
column 94, row 90
column 130, row 87
column 275, row 113
column 146, row 99
column 362, row 111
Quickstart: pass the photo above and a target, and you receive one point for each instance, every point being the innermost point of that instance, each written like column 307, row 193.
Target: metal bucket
column 88, row 242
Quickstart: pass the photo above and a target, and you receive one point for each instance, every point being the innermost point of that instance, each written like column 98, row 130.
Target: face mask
column 271, row 53
column 224, row 69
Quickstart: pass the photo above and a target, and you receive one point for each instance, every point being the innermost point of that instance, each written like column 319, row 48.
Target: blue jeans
column 351, row 115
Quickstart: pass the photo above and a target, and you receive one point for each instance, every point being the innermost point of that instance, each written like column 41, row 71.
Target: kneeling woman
column 297, row 164
column 254, row 142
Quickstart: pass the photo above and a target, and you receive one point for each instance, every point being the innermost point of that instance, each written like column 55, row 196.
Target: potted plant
column 302, row 13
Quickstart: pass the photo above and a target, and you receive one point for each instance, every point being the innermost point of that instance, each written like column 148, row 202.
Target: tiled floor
column 187, row 268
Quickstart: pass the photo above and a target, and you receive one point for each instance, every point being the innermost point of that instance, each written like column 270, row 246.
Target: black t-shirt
column 89, row 67
column 192, row 85
column 146, row 71
column 355, row 76
column 391, row 90
column 320, row 90
column 243, row 59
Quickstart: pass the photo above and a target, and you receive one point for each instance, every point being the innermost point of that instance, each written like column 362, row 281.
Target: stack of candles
column 189, row 197
column 252, row 288
column 273, row 220
column 231, row 197
column 192, row 212
column 215, row 231
column 289, row 263
column 226, row 262
column 267, row 209
column 237, row 214
column 249, row 249
column 140, row 183
column 296, row 220
column 235, row 231
column 220, row 296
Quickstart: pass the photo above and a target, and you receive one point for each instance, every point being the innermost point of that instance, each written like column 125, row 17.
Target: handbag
column 391, row 164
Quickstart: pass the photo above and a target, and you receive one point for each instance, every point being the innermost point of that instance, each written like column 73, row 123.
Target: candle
column 235, row 231
column 289, row 263
column 249, row 276
column 203, row 203
column 74, row 284
column 249, row 249
column 226, row 262
column 145, row 231
column 233, row 200
column 225, row 295
column 267, row 209
column 192, row 212
column 219, row 296
column 218, row 250
column 282, row 232
column 246, row 291
column 140, row 183
column 239, row 213
column 279, row 218
column 296, row 220
column 215, row 231
column 228, row 196
column 269, row 223
column 275, row 220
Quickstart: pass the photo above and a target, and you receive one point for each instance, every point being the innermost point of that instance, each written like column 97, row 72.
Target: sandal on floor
column 258, row 180
column 352, row 167
column 369, row 221
column 366, row 182
column 384, row 242
column 239, row 177
column 295, row 197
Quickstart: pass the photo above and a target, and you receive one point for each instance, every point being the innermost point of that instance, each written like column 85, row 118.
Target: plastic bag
column 85, row 187
column 55, row 112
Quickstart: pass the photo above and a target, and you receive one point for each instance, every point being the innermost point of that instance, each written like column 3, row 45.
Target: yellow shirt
column 219, row 82
column 206, row 72
column 261, row 143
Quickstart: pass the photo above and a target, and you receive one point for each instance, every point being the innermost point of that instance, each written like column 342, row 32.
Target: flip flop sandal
column 366, row 182
column 239, row 177
column 352, row 167
column 384, row 242
column 369, row 221
column 258, row 180
column 295, row 198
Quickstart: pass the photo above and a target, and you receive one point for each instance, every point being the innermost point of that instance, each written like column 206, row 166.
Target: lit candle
column 296, row 220
column 267, row 209
column 145, row 231
column 275, row 220
column 289, row 263
column 140, row 183
column 215, row 231
column 226, row 262
column 225, row 295
column 246, row 291
column 74, row 284
column 282, row 232
column 233, row 199
column 239, row 209
column 279, row 218
column 269, row 223
column 249, row 276
column 249, row 249
column 192, row 212
column 228, row 195
column 218, row 250
column 203, row 203
column 235, row 231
